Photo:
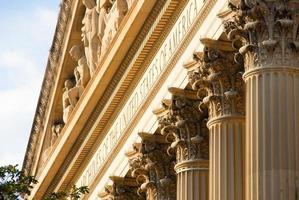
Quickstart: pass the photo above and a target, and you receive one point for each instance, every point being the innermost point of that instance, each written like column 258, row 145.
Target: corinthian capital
column 153, row 168
column 122, row 188
column 218, row 79
column 267, row 32
column 184, row 126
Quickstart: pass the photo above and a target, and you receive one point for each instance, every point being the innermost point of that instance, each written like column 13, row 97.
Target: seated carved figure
column 70, row 98
column 113, row 20
column 82, row 70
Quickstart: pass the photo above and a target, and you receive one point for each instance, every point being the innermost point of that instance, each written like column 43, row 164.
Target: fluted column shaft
column 272, row 120
column 185, row 126
column 268, row 37
column 192, row 180
column 227, row 157
column 219, row 83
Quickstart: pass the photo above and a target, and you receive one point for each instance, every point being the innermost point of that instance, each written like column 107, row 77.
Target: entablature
column 110, row 87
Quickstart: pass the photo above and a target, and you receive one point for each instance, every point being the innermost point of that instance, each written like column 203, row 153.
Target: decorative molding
column 144, row 36
column 204, row 11
column 74, row 171
column 192, row 165
column 47, row 85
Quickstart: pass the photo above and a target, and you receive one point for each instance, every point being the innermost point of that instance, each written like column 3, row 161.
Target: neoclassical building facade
column 170, row 99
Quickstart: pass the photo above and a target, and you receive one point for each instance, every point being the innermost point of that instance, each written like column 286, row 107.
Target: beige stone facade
column 170, row 99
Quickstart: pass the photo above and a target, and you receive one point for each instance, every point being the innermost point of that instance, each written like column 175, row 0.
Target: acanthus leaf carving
column 153, row 168
column 122, row 188
column 184, row 125
column 218, row 80
column 267, row 32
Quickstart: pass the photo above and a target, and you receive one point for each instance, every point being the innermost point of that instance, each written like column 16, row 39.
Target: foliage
column 74, row 194
column 14, row 184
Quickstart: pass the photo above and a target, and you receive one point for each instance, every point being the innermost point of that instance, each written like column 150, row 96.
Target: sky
column 27, row 30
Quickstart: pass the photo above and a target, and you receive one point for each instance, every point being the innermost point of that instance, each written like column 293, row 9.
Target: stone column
column 268, row 32
column 192, row 180
column 185, row 127
column 153, row 168
column 220, row 87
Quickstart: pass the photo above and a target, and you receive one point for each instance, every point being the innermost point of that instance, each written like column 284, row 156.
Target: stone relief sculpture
column 70, row 98
column 129, row 3
column 113, row 20
column 82, row 71
column 90, row 34
column 102, row 8
column 100, row 24
column 56, row 130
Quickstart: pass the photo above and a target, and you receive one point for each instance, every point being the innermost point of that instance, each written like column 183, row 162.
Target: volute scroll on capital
column 265, row 32
column 217, row 78
column 122, row 188
column 153, row 168
column 184, row 126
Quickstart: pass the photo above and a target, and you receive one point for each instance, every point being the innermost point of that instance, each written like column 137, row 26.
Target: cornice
column 146, row 45
column 71, row 131
column 94, row 117
column 48, row 82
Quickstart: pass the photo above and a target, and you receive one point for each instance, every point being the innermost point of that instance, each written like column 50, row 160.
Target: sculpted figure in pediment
column 70, row 98
column 102, row 9
column 113, row 20
column 90, row 33
column 56, row 130
column 82, row 71
column 129, row 3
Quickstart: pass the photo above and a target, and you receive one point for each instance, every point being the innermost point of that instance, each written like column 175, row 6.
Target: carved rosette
column 153, row 168
column 123, row 188
column 185, row 126
column 218, row 79
column 266, row 32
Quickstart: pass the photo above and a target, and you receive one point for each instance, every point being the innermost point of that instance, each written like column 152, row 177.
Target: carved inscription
column 160, row 61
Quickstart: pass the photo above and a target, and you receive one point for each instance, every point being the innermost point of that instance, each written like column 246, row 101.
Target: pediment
column 74, row 57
